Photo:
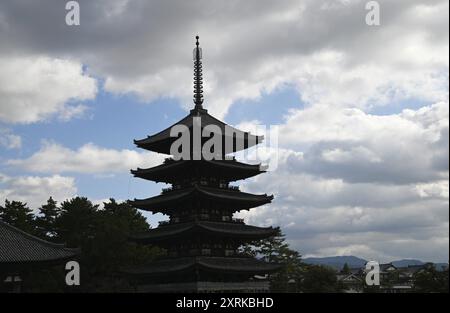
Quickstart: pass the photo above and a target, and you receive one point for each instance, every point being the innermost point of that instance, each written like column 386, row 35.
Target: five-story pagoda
column 201, row 237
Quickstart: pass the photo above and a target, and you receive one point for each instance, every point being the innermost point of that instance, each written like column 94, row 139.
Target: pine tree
column 320, row 279
column 345, row 269
column 76, row 222
column 17, row 214
column 276, row 249
column 430, row 280
column 46, row 220
column 102, row 235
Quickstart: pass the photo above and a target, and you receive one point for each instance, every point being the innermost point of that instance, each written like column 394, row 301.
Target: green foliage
column 317, row 278
column 46, row 220
column 18, row 214
column 294, row 275
column 101, row 234
column 276, row 249
column 77, row 221
column 345, row 269
column 431, row 280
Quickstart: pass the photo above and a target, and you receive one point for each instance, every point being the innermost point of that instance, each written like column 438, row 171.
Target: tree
column 111, row 246
column 102, row 235
column 76, row 223
column 346, row 269
column 46, row 220
column 275, row 249
column 318, row 278
column 294, row 275
column 17, row 214
column 430, row 279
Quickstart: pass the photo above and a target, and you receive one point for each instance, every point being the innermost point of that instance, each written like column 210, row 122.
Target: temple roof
column 172, row 199
column 17, row 246
column 161, row 142
column 227, row 264
column 171, row 171
column 230, row 230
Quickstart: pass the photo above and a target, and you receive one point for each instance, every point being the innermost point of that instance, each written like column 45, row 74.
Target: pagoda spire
column 198, row 76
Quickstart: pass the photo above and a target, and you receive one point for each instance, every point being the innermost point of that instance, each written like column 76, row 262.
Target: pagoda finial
column 198, row 76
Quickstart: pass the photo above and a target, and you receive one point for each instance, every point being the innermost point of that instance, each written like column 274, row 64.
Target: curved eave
column 238, row 265
column 226, row 265
column 173, row 199
column 20, row 248
column 170, row 172
column 162, row 141
column 163, row 146
column 229, row 230
column 164, row 134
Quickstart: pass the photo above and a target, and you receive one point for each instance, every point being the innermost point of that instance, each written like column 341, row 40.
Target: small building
column 352, row 282
column 22, row 253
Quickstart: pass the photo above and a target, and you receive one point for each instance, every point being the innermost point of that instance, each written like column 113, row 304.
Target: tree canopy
column 100, row 233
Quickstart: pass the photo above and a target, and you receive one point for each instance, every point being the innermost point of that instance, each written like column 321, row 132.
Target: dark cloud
column 249, row 46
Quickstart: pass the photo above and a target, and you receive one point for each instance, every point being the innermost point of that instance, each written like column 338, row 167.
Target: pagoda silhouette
column 201, row 237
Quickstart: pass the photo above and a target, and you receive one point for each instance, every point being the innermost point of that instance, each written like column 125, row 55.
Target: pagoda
column 201, row 237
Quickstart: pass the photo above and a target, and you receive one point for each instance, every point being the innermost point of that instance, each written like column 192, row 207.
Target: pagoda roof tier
column 179, row 198
column 227, row 229
column 172, row 171
column 162, row 141
column 228, row 265
column 18, row 247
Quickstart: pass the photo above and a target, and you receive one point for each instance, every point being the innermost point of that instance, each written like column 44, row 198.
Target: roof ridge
column 239, row 224
column 35, row 238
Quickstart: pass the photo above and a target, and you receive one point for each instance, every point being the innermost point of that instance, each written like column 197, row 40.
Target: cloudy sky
column 362, row 110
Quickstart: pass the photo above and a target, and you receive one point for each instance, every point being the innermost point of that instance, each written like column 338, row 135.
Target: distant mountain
column 337, row 262
column 407, row 262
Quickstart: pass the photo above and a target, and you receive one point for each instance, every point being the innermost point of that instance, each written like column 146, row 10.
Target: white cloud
column 437, row 189
column 325, row 216
column 349, row 182
column 363, row 69
column 323, row 48
column 89, row 158
column 73, row 111
column 35, row 190
column 355, row 146
column 9, row 140
column 33, row 88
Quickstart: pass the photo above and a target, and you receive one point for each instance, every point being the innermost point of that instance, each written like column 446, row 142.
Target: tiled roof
column 170, row 172
column 412, row 269
column 162, row 141
column 228, row 264
column 17, row 246
column 210, row 228
column 384, row 267
column 172, row 199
